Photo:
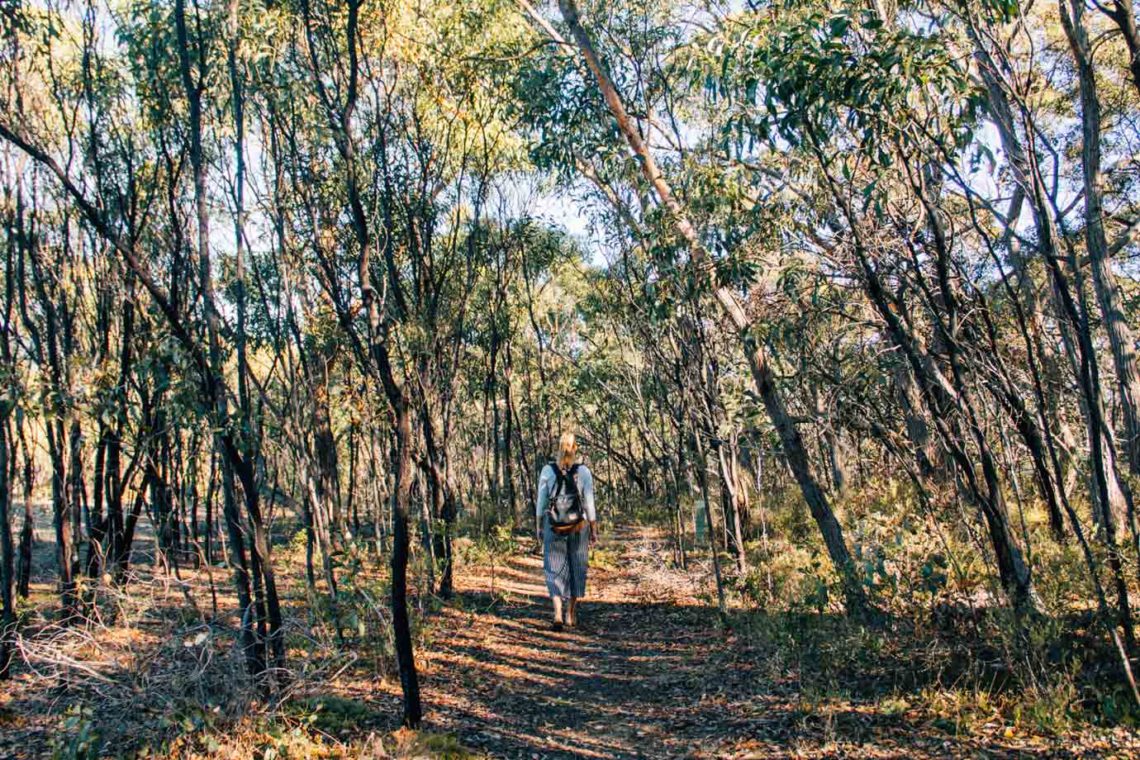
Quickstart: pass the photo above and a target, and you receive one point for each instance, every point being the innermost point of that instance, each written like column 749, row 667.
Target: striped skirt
column 565, row 560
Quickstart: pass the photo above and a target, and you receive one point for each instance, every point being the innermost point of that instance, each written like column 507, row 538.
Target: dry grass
column 152, row 671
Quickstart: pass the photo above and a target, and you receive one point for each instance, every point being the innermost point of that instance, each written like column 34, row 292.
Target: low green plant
column 441, row 747
column 332, row 714
column 78, row 738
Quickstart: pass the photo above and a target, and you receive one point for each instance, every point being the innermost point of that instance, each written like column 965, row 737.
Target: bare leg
column 557, row 609
column 572, row 613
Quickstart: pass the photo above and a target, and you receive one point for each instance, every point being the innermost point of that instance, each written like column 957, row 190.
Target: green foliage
column 798, row 76
column 333, row 714
column 78, row 737
column 362, row 605
column 444, row 747
column 605, row 557
column 811, row 148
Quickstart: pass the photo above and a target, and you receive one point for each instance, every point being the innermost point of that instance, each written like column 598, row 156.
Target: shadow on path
column 637, row 679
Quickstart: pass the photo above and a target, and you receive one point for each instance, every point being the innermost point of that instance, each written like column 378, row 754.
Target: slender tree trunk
column 327, row 479
column 112, row 483
column 8, row 465
column 1124, row 14
column 27, row 531
column 255, row 661
column 519, row 516
column 492, row 401
column 1099, row 430
column 96, row 523
column 61, row 517
column 308, row 519
column 275, row 645
column 1120, row 337
column 1106, row 488
column 703, row 481
column 409, row 679
column 7, row 558
column 75, row 489
column 730, row 492
column 378, row 364
column 442, row 503
column 319, row 528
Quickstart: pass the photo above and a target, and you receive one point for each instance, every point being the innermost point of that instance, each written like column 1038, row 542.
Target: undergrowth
column 948, row 645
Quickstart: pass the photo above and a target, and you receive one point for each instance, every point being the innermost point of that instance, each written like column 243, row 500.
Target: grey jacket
column 546, row 483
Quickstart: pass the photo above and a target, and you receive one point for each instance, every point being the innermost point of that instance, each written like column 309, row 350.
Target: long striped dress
column 565, row 559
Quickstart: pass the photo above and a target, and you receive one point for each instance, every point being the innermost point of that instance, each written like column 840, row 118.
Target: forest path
column 649, row 673
column 636, row 678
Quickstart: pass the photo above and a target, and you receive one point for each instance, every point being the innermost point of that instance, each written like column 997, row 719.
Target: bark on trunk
column 405, row 657
column 1124, row 14
column 1120, row 337
column 1108, row 296
column 1106, row 488
column 7, row 560
column 27, row 530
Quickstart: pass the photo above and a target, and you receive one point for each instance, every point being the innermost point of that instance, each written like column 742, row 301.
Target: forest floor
column 650, row 672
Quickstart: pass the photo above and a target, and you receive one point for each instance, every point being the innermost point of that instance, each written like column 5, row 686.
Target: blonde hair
column 567, row 450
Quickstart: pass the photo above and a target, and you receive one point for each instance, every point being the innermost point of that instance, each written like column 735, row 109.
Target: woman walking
column 567, row 527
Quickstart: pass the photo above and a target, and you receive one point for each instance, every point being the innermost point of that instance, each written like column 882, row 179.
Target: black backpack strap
column 572, row 477
column 559, row 480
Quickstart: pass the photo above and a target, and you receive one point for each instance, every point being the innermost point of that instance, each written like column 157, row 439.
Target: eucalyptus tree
column 811, row 82
column 10, row 388
column 48, row 313
column 1120, row 336
column 884, row 114
column 1029, row 144
column 405, row 139
column 114, row 213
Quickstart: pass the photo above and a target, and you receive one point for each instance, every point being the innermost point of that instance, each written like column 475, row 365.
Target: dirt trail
column 620, row 685
column 650, row 673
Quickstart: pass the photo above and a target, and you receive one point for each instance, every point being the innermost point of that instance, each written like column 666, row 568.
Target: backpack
column 565, row 511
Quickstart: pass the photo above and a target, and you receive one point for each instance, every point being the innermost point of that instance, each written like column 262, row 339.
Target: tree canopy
column 839, row 297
